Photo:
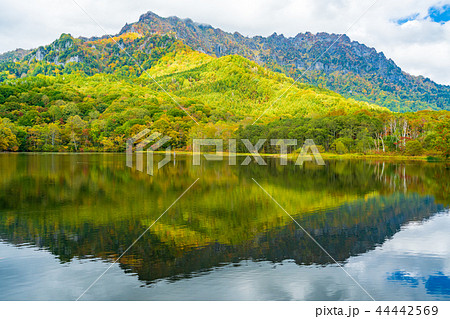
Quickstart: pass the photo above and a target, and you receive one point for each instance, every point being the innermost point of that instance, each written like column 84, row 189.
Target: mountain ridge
column 89, row 95
column 393, row 87
column 348, row 68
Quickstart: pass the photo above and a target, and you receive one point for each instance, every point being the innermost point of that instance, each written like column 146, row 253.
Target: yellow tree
column 74, row 129
column 8, row 141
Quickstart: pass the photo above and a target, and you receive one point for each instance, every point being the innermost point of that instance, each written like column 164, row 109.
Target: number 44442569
column 408, row 310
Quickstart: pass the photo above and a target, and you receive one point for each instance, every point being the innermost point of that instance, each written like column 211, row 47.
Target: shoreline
column 290, row 156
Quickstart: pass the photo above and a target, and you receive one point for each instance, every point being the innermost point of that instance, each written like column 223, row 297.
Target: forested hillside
column 92, row 94
column 98, row 103
column 348, row 67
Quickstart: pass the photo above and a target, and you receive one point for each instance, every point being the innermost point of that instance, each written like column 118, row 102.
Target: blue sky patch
column 439, row 14
column 406, row 19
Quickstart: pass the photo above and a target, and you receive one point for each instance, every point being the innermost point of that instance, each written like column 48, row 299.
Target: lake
column 65, row 219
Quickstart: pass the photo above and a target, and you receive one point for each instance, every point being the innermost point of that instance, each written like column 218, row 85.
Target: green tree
column 443, row 137
column 413, row 148
column 340, row 148
column 74, row 130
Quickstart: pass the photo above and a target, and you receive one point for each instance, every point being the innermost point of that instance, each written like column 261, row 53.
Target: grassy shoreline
column 397, row 157
column 328, row 156
column 291, row 156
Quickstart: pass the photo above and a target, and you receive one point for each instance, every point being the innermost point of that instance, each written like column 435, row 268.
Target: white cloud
column 420, row 47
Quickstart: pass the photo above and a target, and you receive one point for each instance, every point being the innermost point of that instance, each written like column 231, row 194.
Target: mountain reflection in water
column 91, row 207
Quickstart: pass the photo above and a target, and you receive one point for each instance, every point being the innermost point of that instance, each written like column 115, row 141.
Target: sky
column 413, row 33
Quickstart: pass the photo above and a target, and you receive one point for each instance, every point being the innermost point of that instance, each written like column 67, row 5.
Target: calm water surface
column 65, row 218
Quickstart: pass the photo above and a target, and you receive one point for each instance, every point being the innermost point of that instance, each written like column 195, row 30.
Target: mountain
column 228, row 84
column 14, row 56
column 90, row 56
column 88, row 94
column 92, row 94
column 348, row 67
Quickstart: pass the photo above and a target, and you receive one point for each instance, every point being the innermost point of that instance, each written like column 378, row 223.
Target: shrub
column 340, row 148
column 413, row 148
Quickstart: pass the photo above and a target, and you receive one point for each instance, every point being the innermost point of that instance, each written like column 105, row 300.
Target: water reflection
column 91, row 207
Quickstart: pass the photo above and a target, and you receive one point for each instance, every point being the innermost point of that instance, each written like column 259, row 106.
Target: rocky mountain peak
column 330, row 60
column 344, row 62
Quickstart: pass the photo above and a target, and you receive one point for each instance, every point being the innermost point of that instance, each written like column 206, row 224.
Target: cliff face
column 348, row 67
column 301, row 51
